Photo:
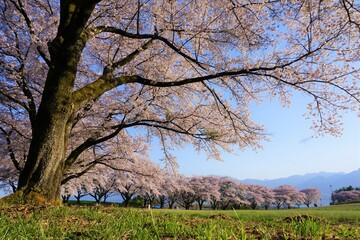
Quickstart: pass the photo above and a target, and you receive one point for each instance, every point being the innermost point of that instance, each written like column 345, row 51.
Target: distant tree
column 215, row 194
column 13, row 153
column 200, row 188
column 66, row 194
column 187, row 194
column 101, row 193
column 312, row 196
column 231, row 193
column 127, row 185
column 154, row 179
column 77, row 187
column 298, row 198
column 103, row 186
column 139, row 177
column 173, row 194
column 346, row 196
column 168, row 190
column 285, row 195
column 127, row 193
column 79, row 194
column 259, row 195
column 204, row 187
column 6, row 184
column 268, row 197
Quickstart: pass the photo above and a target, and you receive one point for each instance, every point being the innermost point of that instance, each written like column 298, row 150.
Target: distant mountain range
column 326, row 182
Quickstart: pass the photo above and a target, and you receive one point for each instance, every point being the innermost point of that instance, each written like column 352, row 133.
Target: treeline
column 142, row 183
column 167, row 191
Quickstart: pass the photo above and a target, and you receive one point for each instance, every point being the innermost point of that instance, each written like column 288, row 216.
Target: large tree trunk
column 44, row 167
column 41, row 177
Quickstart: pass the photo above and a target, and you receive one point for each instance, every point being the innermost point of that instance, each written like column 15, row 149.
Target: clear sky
column 291, row 150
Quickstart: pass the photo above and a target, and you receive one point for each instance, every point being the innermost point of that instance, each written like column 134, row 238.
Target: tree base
column 32, row 198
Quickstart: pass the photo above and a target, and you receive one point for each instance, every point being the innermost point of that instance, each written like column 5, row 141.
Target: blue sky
column 291, row 150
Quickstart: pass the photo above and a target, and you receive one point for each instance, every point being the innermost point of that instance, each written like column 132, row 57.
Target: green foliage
column 138, row 201
column 309, row 227
column 211, row 134
column 112, row 222
column 348, row 188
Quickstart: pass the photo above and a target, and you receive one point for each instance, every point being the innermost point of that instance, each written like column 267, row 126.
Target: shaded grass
column 78, row 222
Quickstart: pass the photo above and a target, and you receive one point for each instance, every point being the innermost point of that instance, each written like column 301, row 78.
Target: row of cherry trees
column 157, row 187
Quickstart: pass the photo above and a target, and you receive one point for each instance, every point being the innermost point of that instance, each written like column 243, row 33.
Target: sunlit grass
column 335, row 222
column 343, row 213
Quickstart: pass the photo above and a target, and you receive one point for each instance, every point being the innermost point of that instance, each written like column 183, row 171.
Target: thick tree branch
column 155, row 36
column 71, row 36
column 88, row 167
column 43, row 55
column 95, row 89
column 106, row 83
column 110, row 68
column 88, row 143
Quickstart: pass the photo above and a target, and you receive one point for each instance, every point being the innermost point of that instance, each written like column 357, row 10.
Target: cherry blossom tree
column 166, row 186
column 231, row 193
column 100, row 193
column 128, row 188
column 312, row 196
column 112, row 68
column 170, row 190
column 102, row 187
column 150, row 189
column 259, row 195
column 346, row 196
column 8, row 179
column 77, row 187
column 138, row 178
column 66, row 193
column 187, row 194
column 215, row 196
column 285, row 195
column 79, row 193
column 172, row 197
column 204, row 187
column 298, row 198
column 268, row 200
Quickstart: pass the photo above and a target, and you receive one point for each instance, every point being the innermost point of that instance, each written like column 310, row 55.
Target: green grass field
column 84, row 222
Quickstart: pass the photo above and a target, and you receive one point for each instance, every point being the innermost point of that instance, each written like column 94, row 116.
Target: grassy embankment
column 74, row 222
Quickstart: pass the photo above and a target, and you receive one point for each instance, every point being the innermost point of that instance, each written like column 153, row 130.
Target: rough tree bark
column 40, row 180
column 43, row 170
